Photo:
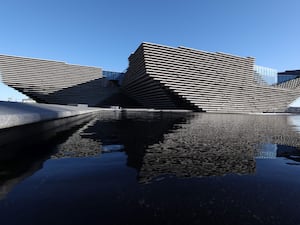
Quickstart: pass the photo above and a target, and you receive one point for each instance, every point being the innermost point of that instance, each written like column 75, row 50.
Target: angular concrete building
column 170, row 78
column 159, row 77
column 55, row 82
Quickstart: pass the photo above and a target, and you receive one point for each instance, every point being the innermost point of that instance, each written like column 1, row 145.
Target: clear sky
column 103, row 33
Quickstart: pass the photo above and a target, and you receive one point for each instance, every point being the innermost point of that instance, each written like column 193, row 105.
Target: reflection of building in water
column 81, row 143
column 180, row 144
column 129, row 131
column 266, row 151
column 289, row 152
column 78, row 146
column 294, row 121
column 20, row 156
column 185, row 145
column 9, row 180
column 133, row 131
column 217, row 145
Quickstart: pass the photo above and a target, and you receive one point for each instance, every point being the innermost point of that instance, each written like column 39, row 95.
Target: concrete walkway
column 15, row 114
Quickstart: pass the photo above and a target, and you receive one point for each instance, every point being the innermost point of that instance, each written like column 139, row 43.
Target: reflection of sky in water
column 112, row 148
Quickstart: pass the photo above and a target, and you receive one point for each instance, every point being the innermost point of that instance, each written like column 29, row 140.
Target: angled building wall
column 55, row 82
column 165, row 77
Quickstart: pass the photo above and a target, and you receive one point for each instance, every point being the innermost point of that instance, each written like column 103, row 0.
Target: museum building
column 158, row 77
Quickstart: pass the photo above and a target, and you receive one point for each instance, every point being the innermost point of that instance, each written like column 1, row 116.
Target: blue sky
column 103, row 33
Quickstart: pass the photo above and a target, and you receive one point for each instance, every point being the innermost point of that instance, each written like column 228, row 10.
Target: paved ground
column 15, row 113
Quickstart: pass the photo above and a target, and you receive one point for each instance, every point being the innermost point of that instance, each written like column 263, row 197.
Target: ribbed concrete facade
column 290, row 84
column 165, row 77
column 159, row 77
column 55, row 82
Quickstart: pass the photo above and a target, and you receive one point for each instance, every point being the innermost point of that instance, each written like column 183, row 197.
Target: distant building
column 288, row 75
column 114, row 76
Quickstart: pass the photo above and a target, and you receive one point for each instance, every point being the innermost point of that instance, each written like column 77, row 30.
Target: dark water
column 154, row 168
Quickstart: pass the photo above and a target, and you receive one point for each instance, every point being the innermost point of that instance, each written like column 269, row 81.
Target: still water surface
column 158, row 168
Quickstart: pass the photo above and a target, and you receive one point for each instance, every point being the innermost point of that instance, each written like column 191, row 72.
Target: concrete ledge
column 16, row 114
